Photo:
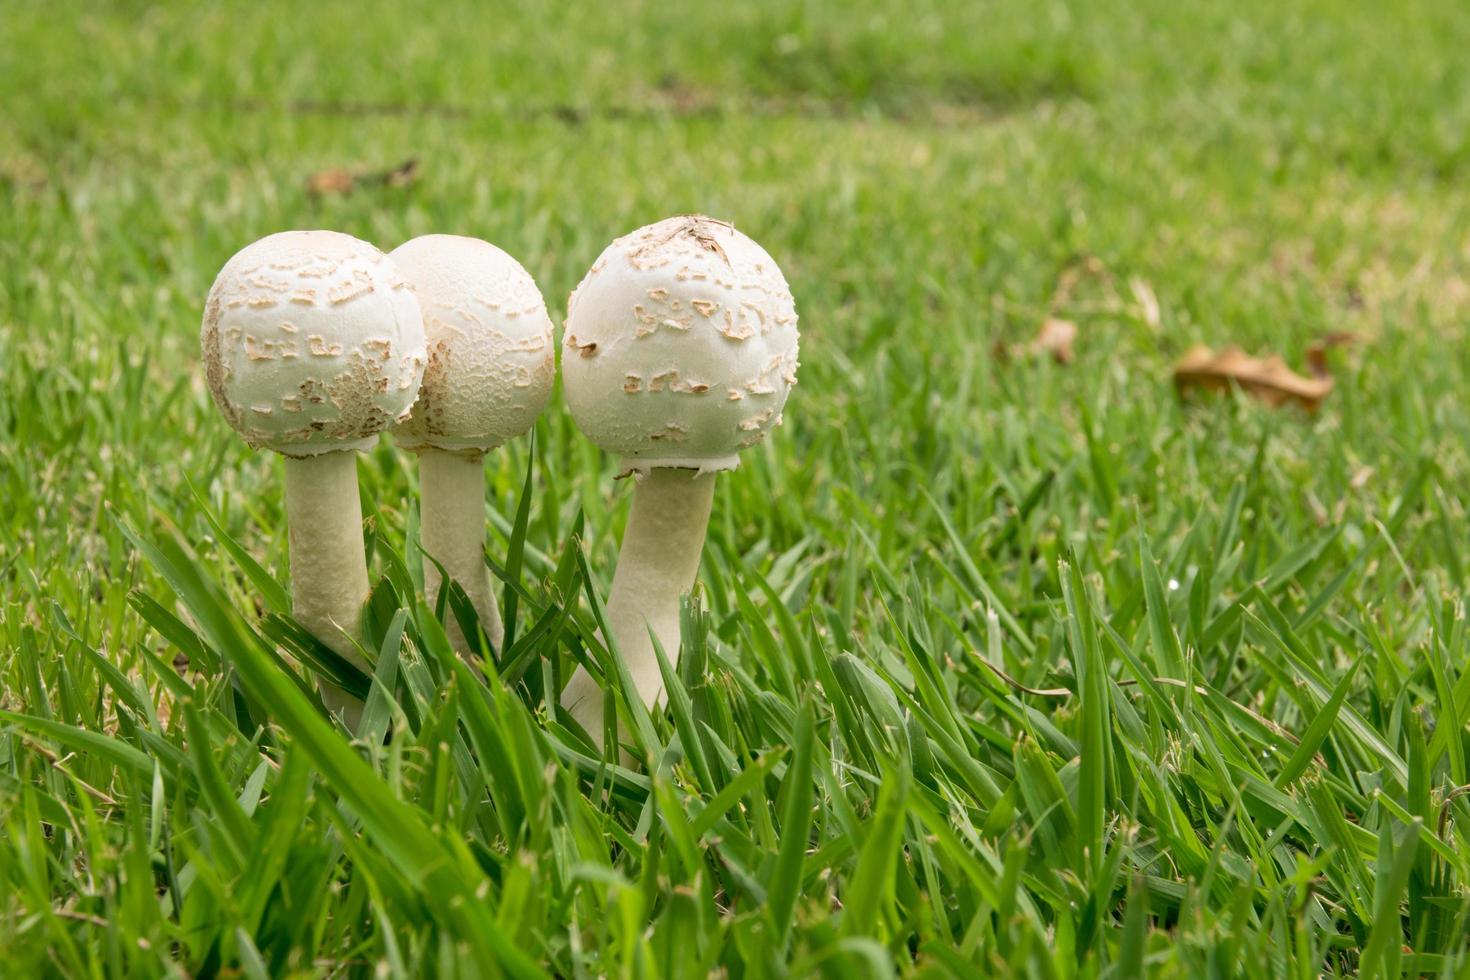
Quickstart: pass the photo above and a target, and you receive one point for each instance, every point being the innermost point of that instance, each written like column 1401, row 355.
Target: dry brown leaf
column 1055, row 338
column 339, row 180
column 400, row 176
column 1268, row 379
column 333, row 181
column 1317, row 353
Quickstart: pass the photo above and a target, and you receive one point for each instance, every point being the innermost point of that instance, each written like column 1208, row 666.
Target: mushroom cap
column 680, row 346
column 492, row 360
column 312, row 342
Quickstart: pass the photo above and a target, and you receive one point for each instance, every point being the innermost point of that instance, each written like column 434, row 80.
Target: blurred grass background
column 934, row 178
column 927, row 175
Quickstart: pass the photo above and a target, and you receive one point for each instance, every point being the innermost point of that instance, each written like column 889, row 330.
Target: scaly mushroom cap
column 312, row 342
column 680, row 346
column 492, row 361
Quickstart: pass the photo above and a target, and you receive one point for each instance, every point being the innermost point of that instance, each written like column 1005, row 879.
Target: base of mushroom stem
column 341, row 704
column 657, row 563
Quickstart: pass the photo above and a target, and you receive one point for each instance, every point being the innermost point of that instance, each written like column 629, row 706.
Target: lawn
column 997, row 665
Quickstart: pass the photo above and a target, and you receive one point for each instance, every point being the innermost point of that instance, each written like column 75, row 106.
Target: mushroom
column 313, row 344
column 680, row 349
column 492, row 363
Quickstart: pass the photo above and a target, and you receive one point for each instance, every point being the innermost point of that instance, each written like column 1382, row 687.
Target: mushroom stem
column 657, row 564
column 452, row 514
column 329, row 582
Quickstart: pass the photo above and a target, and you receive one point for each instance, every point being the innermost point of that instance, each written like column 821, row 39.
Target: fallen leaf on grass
column 339, row 180
column 1268, row 378
column 1317, row 353
column 1055, row 338
column 400, row 176
column 333, row 181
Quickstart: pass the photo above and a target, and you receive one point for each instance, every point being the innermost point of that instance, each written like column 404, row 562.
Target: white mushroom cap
column 312, row 342
column 492, row 361
column 680, row 346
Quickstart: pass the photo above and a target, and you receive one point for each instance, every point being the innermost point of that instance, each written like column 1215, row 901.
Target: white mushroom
column 491, row 366
column 313, row 344
column 680, row 349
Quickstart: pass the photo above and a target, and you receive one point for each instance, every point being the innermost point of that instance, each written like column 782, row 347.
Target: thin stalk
column 657, row 564
column 329, row 581
column 452, row 530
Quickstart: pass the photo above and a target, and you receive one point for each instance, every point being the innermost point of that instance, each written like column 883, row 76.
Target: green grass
column 996, row 666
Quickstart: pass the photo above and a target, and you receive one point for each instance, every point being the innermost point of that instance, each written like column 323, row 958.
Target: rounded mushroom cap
column 492, row 360
column 312, row 343
column 680, row 346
